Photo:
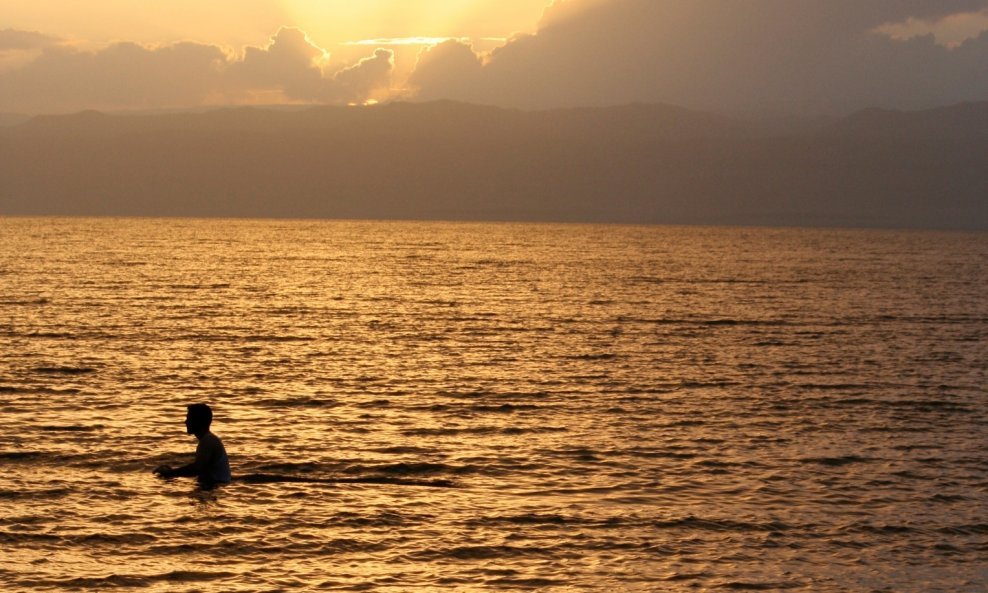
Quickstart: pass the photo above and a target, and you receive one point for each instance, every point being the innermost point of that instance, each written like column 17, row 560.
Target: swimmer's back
column 212, row 459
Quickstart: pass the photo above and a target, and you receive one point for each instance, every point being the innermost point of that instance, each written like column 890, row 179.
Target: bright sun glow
column 386, row 41
column 235, row 23
column 424, row 22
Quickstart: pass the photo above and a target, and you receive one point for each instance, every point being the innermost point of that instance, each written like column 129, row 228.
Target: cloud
column 360, row 81
column 450, row 68
column 12, row 39
column 950, row 30
column 807, row 56
column 293, row 65
column 289, row 63
column 128, row 75
column 831, row 56
column 121, row 75
column 18, row 48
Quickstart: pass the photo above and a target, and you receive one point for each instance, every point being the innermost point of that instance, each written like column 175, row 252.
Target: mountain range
column 654, row 164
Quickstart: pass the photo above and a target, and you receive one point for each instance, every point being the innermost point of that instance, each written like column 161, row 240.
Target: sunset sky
column 811, row 56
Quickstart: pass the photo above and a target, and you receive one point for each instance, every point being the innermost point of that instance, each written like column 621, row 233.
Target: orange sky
column 241, row 22
column 812, row 56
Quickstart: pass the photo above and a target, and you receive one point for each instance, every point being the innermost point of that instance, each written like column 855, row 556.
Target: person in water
column 211, row 465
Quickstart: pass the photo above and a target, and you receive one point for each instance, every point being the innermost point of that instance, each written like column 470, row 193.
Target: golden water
column 617, row 408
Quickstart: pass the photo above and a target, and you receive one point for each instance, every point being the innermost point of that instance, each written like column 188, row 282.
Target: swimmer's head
column 198, row 418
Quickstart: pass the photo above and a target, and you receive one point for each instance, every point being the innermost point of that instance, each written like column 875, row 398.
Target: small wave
column 45, row 494
column 756, row 586
column 72, row 428
column 376, row 403
column 12, row 389
column 947, row 498
column 479, row 553
column 51, row 335
column 921, row 405
column 706, row 384
column 298, row 402
column 647, row 454
column 971, row 529
column 835, row 461
column 603, row 356
column 686, row 576
column 726, row 322
column 405, row 469
column 24, row 302
column 63, row 370
column 466, row 394
column 849, row 401
column 721, row 525
column 881, row 529
column 479, row 393
column 303, row 467
column 21, row 537
column 272, row 338
column 130, row 264
column 504, row 408
column 383, row 480
column 21, row 455
column 718, row 322
column 482, row 430
column 506, row 263
column 199, row 286
column 120, row 580
column 530, row 583
column 833, row 386
column 686, row 423
column 718, row 464
column 402, row 450
column 528, row 519
column 378, row 519
column 111, row 539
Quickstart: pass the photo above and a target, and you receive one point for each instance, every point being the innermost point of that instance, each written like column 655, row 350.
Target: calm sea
column 502, row 407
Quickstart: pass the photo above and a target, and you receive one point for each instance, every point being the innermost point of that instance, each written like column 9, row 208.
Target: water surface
column 617, row 408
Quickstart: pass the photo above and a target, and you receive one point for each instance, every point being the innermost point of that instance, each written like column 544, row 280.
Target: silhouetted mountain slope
column 637, row 163
column 965, row 120
column 10, row 119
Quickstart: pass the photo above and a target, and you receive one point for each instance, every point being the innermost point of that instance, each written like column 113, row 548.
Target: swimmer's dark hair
column 200, row 414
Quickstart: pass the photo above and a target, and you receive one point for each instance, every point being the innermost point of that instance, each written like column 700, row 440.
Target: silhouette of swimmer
column 211, row 465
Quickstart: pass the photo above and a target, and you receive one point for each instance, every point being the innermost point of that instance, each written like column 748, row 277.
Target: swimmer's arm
column 185, row 471
column 204, row 454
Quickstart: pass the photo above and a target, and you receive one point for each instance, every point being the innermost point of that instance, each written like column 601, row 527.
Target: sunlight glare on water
column 493, row 406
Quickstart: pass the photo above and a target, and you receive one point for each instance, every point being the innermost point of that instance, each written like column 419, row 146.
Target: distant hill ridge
column 446, row 160
column 965, row 120
column 649, row 118
column 962, row 120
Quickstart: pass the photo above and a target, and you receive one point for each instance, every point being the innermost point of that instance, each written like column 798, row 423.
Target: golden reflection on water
column 633, row 408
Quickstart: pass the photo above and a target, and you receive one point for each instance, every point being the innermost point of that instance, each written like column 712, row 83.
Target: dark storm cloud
column 807, row 55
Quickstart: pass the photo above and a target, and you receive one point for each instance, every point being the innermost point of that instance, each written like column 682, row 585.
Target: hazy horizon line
column 506, row 221
column 289, row 107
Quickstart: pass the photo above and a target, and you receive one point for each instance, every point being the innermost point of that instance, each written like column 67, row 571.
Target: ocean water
column 493, row 407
